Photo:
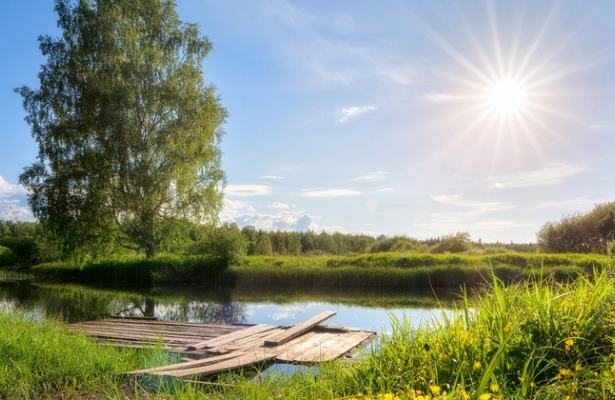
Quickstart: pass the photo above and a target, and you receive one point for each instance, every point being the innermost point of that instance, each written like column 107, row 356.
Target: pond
column 366, row 309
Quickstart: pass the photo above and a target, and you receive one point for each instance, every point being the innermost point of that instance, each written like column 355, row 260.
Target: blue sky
column 397, row 117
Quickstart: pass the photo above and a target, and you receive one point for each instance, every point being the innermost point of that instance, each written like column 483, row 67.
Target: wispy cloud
column 550, row 174
column 271, row 177
column 348, row 113
column 471, row 207
column 247, row 190
column 569, row 205
column 278, row 205
column 440, row 97
column 384, row 190
column 327, row 193
column 371, row 177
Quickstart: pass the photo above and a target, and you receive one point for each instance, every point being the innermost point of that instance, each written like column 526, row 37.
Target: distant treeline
column 591, row 232
column 30, row 244
column 261, row 242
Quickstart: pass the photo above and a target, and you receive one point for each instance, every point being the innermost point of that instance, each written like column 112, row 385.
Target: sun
column 506, row 96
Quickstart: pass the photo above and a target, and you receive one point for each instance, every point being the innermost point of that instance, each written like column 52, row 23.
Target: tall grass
column 39, row 358
column 537, row 340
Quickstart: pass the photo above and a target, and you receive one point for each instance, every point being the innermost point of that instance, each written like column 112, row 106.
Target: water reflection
column 359, row 308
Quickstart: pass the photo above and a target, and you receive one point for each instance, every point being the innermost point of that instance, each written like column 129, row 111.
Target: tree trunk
column 150, row 251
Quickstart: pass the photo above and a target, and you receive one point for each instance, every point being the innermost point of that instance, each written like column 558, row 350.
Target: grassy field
column 535, row 340
column 365, row 270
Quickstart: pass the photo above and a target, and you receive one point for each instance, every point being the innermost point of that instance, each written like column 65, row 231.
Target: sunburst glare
column 507, row 95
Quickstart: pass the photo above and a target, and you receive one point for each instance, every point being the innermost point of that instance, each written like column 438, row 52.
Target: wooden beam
column 298, row 329
column 241, row 361
column 231, row 337
column 189, row 364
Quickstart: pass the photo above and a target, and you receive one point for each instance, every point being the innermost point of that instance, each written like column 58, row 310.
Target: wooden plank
column 254, row 340
column 230, row 337
column 159, row 333
column 323, row 346
column 189, row 364
column 298, row 329
column 241, row 361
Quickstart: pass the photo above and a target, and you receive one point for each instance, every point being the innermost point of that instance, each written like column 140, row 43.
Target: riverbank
column 535, row 340
column 394, row 270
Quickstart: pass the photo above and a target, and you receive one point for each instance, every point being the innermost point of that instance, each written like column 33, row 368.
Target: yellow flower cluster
column 568, row 344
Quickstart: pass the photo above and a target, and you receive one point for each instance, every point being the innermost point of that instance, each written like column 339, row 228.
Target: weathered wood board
column 218, row 348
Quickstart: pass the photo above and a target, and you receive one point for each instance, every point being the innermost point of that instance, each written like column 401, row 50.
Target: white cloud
column 348, row 113
column 246, row 190
column 9, row 189
column 232, row 209
column 374, row 176
column 553, row 173
column 271, row 177
column 325, row 193
column 13, row 202
column 243, row 214
column 278, row 205
column 384, row 190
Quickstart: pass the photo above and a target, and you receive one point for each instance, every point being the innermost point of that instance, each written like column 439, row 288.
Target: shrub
column 226, row 245
column 26, row 250
column 7, row 257
column 457, row 243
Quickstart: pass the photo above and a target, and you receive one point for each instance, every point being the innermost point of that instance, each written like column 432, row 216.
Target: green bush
column 225, row 245
column 7, row 257
column 457, row 243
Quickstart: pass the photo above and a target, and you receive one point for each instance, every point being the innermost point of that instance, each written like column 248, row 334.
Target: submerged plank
column 298, row 329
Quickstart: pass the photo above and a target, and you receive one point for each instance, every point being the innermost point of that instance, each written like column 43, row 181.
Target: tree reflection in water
column 78, row 303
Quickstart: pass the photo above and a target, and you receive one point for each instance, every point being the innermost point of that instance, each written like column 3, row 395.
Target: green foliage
column 610, row 248
column 456, row 243
column 7, row 257
column 135, row 270
column 580, row 233
column 263, row 246
column 396, row 244
column 127, row 130
column 226, row 244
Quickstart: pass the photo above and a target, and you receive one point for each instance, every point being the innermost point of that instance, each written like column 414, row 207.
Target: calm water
column 369, row 309
column 365, row 309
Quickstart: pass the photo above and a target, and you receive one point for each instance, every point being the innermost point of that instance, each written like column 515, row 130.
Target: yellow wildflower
column 435, row 390
column 569, row 343
column 463, row 395
column 613, row 368
column 484, row 396
column 494, row 387
column 477, row 365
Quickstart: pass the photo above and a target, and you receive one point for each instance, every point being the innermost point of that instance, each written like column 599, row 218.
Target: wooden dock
column 215, row 348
